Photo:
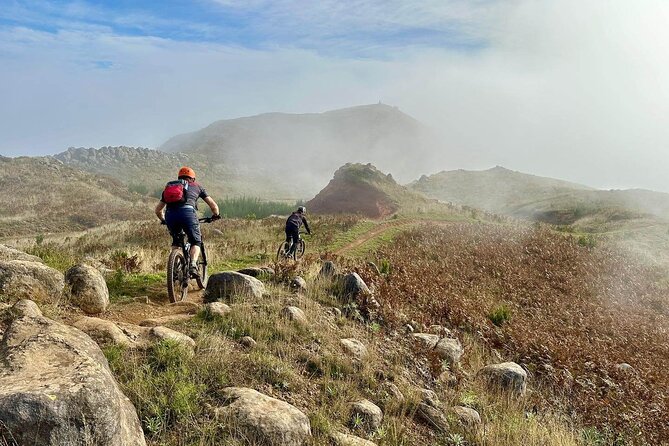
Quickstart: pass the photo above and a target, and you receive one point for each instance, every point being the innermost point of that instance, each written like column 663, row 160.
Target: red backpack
column 175, row 192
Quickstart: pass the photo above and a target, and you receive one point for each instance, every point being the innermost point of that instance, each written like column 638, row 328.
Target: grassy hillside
column 365, row 190
column 146, row 171
column 44, row 195
column 304, row 148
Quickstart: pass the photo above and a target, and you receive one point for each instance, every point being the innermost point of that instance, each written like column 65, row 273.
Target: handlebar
column 208, row 219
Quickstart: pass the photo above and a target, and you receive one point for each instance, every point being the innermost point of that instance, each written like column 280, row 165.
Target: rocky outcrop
column 8, row 253
column 227, row 286
column 130, row 335
column 507, row 376
column 22, row 279
column 353, row 286
column 368, row 414
column 88, row 289
column 56, row 389
column 263, row 419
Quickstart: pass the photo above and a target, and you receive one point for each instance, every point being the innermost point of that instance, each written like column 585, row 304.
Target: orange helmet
column 186, row 172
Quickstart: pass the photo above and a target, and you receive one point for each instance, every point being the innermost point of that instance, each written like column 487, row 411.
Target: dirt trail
column 378, row 230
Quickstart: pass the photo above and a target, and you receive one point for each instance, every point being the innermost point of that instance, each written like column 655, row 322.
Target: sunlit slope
column 302, row 149
column 44, row 195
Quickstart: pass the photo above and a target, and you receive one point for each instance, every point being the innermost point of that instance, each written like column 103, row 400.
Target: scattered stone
column 354, row 348
column 298, row 284
column 425, row 341
column 56, row 389
column 354, row 286
column 294, row 314
column 369, row 413
column 506, row 376
column 88, row 288
column 248, row 341
column 164, row 333
column 25, row 308
column 141, row 300
column 263, row 419
column 625, row 368
column 430, row 411
column 392, row 392
column 450, row 350
column 341, row 439
column 468, row 417
column 328, row 270
column 229, row 285
column 336, row 312
column 22, row 279
column 217, row 309
column 164, row 320
column 104, row 331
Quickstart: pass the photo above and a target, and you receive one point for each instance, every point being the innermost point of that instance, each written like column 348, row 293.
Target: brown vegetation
column 568, row 313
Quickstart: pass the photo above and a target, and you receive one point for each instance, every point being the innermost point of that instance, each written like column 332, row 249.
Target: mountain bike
column 178, row 267
column 283, row 254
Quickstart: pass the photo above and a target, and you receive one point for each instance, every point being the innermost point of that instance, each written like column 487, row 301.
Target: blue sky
column 570, row 89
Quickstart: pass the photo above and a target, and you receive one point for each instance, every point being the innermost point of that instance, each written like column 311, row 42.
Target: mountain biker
column 293, row 224
column 183, row 215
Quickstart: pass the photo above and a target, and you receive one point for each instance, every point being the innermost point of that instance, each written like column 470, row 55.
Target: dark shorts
column 185, row 219
column 293, row 233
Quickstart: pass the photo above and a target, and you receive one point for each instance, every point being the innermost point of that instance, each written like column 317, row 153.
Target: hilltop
column 44, row 195
column 300, row 149
column 363, row 189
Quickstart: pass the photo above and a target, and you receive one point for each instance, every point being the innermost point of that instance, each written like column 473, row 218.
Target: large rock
column 431, row 412
column 507, row 376
column 354, row 348
column 9, row 253
column 294, row 314
column 368, row 413
column 468, row 418
column 56, row 389
column 104, row 331
column 298, row 284
column 353, row 286
column 450, row 350
column 22, row 279
column 217, row 309
column 88, row 288
column 263, row 419
column 229, row 284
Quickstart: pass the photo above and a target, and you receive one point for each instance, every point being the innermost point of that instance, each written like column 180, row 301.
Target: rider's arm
column 306, row 225
column 212, row 205
column 160, row 211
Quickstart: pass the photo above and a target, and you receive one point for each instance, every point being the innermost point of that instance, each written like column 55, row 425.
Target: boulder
column 252, row 271
column 353, row 286
column 56, row 389
column 25, row 308
column 163, row 333
column 328, row 270
column 229, row 285
column 368, row 413
column 294, row 314
column 425, row 341
column 8, row 253
column 248, row 341
column 341, row 439
column 104, row 331
column 21, row 279
column 354, row 348
column 625, row 368
column 450, row 350
column 264, row 419
column 88, row 288
column 468, row 417
column 217, row 309
column 507, row 376
column 298, row 284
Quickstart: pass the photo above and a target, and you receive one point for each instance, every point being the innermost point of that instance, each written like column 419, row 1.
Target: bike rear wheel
column 281, row 252
column 177, row 276
column 202, row 269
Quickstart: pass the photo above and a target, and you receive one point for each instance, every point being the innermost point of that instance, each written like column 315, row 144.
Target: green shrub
column 587, row 241
column 500, row 315
column 52, row 255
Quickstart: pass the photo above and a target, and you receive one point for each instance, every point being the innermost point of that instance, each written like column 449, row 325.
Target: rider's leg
column 194, row 254
column 295, row 237
column 192, row 229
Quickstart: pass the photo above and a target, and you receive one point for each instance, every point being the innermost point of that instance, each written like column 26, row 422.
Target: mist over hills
column 304, row 149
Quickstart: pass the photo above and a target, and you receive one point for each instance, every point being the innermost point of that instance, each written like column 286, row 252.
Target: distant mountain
column 301, row 150
column 538, row 198
column 363, row 189
column 43, row 195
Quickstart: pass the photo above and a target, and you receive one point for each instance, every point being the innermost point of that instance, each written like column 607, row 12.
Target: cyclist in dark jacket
column 184, row 216
column 293, row 225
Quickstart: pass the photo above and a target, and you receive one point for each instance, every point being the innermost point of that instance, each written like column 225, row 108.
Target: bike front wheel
column 202, row 269
column 177, row 276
